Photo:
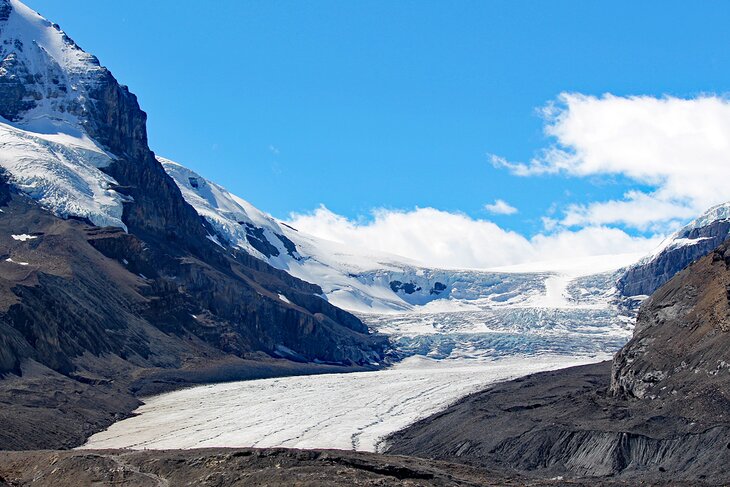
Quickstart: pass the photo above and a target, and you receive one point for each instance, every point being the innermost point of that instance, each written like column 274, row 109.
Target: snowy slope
column 44, row 149
column 688, row 235
column 369, row 282
column 54, row 72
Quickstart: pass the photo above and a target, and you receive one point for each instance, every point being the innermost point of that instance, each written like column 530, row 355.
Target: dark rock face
column 15, row 97
column 658, row 413
column 258, row 240
column 646, row 278
column 681, row 344
column 406, row 287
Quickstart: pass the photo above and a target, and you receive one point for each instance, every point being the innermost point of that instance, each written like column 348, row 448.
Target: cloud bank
column 676, row 151
column 453, row 240
column 678, row 147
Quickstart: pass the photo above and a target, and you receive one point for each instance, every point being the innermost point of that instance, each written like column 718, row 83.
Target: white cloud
column 500, row 207
column 443, row 239
column 678, row 147
column 637, row 210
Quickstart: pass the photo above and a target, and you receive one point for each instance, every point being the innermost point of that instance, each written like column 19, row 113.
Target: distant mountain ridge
column 696, row 239
column 367, row 281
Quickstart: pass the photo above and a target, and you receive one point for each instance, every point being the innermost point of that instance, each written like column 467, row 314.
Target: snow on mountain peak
column 45, row 150
column 685, row 236
column 40, row 62
column 362, row 280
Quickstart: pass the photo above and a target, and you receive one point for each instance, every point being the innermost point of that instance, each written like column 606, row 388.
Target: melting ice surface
column 343, row 411
column 451, row 349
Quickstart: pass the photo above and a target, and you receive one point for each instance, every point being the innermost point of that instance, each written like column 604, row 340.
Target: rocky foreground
column 239, row 467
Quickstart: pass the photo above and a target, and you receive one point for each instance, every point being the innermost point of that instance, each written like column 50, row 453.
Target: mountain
column 696, row 239
column 365, row 281
column 657, row 413
column 111, row 281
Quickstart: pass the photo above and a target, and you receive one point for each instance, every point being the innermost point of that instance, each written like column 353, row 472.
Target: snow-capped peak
column 366, row 281
column 47, row 67
column 688, row 234
column 45, row 80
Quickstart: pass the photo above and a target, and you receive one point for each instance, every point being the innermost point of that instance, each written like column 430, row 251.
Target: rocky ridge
column 696, row 239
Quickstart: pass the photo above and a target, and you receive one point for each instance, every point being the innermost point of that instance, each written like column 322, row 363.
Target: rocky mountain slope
column 694, row 240
column 109, row 275
column 658, row 412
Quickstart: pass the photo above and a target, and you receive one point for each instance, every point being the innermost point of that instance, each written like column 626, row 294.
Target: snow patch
column 63, row 177
column 23, row 237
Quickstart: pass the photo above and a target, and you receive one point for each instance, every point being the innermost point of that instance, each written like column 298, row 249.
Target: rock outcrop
column 695, row 240
column 680, row 350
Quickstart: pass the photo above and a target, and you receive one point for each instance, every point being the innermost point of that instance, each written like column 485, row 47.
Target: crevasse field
column 451, row 348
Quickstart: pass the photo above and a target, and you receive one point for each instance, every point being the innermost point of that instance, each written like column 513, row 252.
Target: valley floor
column 449, row 355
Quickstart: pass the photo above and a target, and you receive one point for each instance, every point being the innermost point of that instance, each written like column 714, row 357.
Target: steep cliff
column 695, row 240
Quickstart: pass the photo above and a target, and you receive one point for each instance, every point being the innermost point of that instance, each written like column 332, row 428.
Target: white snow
column 717, row 213
column 47, row 153
column 23, row 237
column 284, row 298
column 9, row 259
column 63, row 177
column 61, row 70
column 344, row 411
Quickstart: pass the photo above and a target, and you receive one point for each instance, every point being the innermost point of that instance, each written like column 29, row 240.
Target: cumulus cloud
column 453, row 240
column 500, row 207
column 680, row 148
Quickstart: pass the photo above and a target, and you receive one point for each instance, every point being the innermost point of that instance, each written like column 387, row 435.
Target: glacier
column 352, row 411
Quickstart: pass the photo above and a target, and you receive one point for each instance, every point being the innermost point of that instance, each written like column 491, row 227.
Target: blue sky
column 395, row 105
